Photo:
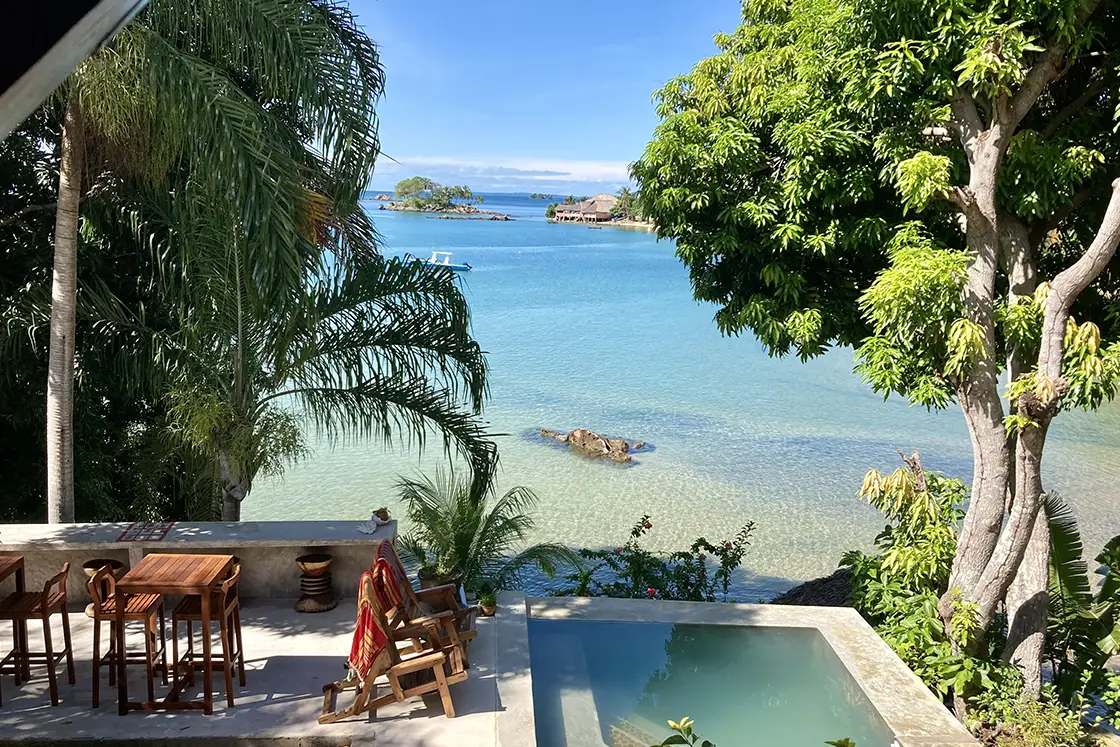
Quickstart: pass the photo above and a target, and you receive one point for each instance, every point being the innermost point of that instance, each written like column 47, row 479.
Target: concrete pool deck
column 290, row 656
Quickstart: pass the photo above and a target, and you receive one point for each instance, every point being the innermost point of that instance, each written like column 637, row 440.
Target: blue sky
column 529, row 95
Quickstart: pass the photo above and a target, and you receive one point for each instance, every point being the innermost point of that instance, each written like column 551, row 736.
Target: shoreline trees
column 932, row 185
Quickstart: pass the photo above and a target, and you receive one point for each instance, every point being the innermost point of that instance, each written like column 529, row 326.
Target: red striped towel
column 369, row 640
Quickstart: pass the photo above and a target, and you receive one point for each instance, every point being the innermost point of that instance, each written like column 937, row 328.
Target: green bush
column 683, row 734
column 633, row 572
column 1012, row 720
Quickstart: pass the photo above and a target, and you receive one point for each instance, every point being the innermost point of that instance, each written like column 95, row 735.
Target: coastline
column 457, row 212
column 640, row 225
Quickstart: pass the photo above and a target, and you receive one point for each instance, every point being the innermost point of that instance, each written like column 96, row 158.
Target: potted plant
column 430, row 575
column 488, row 602
column 461, row 533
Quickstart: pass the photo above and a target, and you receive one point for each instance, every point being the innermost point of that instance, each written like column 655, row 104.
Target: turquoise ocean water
column 597, row 328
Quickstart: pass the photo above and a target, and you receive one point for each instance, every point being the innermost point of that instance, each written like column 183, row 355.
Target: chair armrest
column 449, row 593
column 415, row 664
column 434, row 618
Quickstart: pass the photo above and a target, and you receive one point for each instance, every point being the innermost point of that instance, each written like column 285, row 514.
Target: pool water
column 617, row 683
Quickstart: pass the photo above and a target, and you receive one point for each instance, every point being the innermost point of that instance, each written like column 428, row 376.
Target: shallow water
column 597, row 328
column 741, row 685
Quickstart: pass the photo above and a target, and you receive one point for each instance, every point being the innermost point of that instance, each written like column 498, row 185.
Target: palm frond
column 549, row 557
column 1069, row 573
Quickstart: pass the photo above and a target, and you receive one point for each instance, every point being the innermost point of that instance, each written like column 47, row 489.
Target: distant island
column 419, row 194
column 539, row 196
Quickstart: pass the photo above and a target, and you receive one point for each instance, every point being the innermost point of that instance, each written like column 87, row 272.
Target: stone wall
column 267, row 550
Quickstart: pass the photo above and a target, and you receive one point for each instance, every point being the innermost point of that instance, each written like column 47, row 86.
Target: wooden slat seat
column 28, row 604
column 137, row 607
column 192, row 607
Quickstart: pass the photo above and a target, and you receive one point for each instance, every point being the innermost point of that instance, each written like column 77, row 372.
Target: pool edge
column 903, row 702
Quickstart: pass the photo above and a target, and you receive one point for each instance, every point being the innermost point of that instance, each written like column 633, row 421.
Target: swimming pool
column 579, row 672
column 616, row 683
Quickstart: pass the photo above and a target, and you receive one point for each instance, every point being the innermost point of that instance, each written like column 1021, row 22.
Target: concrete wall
column 267, row 550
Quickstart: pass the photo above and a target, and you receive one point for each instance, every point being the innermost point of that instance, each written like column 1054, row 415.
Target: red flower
column 726, row 545
column 648, row 525
column 703, row 556
column 651, row 591
column 618, row 551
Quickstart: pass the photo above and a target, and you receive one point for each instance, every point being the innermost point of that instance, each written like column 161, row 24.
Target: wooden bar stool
column 145, row 608
column 12, row 565
column 228, row 612
column 28, row 605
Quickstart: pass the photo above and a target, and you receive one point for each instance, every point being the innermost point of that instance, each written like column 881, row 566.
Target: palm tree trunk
column 234, row 490
column 64, row 295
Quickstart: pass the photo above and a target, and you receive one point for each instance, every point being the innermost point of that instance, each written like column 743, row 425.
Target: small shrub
column 1019, row 721
column 683, row 734
column 634, row 572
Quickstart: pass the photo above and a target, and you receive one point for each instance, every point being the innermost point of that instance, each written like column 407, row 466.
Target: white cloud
column 509, row 173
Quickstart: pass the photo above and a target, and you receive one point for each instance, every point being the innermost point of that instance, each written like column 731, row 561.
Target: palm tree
column 236, row 102
column 381, row 348
column 459, row 532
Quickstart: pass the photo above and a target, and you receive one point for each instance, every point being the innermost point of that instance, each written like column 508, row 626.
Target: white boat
column 443, row 259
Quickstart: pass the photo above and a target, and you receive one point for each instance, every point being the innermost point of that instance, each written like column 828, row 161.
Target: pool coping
column 915, row 716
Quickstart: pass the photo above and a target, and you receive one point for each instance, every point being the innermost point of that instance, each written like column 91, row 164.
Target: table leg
column 22, row 662
column 207, row 661
column 122, row 675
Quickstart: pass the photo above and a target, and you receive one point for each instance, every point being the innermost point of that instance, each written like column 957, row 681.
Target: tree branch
column 961, row 197
column 966, row 121
column 1091, row 91
column 1070, row 282
column 26, row 211
column 1045, row 71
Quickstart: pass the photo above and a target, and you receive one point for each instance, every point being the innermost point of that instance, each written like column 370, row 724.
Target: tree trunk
column 234, row 490
column 1027, row 597
column 64, row 299
column 1027, row 603
column 978, row 390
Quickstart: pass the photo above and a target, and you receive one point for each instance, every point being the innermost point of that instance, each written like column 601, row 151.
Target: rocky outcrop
column 591, row 443
column 830, row 591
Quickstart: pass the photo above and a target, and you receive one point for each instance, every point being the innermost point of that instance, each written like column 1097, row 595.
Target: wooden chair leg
column 227, row 657
column 240, row 645
column 112, row 653
column 190, row 653
column 16, row 648
column 49, row 648
column 96, row 662
column 163, row 642
column 149, row 654
column 444, row 693
column 175, row 645
column 70, row 677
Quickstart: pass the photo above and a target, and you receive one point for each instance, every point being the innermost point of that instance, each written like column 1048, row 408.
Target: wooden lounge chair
column 417, row 608
column 373, row 653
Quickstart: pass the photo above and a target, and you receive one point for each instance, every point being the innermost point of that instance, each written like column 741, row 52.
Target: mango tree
column 931, row 183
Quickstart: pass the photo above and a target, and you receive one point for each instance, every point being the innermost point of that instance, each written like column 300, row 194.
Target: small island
column 539, row 196
column 419, row 194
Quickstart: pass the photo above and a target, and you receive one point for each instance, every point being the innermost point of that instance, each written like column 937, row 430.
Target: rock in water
column 591, row 443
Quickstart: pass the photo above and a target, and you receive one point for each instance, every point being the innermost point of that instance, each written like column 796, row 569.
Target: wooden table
column 10, row 564
column 185, row 575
